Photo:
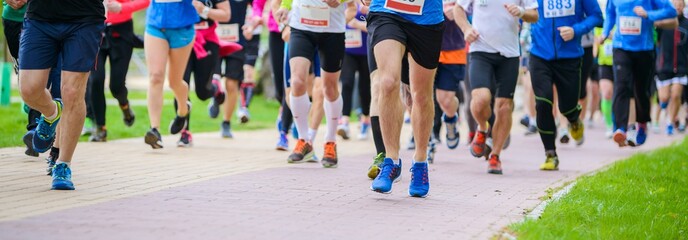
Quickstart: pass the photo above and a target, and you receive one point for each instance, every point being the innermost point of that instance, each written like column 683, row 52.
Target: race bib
column 354, row 38
column 630, row 25
column 559, row 8
column 228, row 32
column 414, row 7
column 608, row 48
column 315, row 16
column 167, row 1
column 201, row 25
column 482, row 3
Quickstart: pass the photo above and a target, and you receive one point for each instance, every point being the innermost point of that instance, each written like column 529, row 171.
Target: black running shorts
column 330, row 47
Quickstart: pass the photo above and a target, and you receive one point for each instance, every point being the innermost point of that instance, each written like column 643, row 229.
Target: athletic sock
column 52, row 118
column 606, row 109
column 69, row 164
column 300, row 106
column 377, row 134
column 333, row 111
column 312, row 133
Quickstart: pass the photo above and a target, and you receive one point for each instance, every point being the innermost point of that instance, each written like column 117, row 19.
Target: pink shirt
column 258, row 6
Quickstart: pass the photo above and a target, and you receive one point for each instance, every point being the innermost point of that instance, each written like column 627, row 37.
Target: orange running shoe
column 329, row 159
column 478, row 145
column 302, row 151
column 495, row 166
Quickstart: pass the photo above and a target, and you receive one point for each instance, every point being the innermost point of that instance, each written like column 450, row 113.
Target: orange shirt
column 453, row 57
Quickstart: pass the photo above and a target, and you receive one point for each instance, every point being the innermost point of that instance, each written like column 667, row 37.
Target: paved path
column 243, row 189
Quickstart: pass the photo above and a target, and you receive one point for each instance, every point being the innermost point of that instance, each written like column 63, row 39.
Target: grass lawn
column 644, row 197
column 263, row 115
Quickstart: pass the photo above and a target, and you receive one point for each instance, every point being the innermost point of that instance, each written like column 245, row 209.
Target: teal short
column 176, row 37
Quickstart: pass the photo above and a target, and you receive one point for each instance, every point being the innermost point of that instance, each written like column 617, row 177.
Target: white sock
column 312, row 133
column 333, row 111
column 52, row 117
column 69, row 164
column 300, row 107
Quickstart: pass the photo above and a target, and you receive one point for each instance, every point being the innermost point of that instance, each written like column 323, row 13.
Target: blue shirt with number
column 581, row 15
column 634, row 33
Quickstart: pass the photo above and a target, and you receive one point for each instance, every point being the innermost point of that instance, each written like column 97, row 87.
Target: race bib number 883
column 559, row 8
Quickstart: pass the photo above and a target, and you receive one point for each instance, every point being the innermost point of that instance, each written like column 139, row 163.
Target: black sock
column 377, row 134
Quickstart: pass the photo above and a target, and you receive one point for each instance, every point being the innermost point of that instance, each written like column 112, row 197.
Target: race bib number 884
column 559, row 8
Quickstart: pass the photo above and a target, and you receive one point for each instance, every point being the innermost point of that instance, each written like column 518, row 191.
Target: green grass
column 644, row 197
column 263, row 115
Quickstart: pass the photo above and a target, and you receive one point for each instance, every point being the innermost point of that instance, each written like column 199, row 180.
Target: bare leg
column 231, row 96
column 179, row 58
column 388, row 54
column 156, row 50
column 423, row 106
column 503, row 109
column 74, row 113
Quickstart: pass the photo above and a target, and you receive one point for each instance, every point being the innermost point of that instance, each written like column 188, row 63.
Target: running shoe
column 226, row 130
column 44, row 137
column 28, row 141
column 302, row 151
column 283, row 143
column 88, row 128
column 670, row 129
column 577, row 131
column 641, row 134
column 631, row 137
column 431, row 152
column 478, row 145
column 525, row 121
column 620, row 137
column 100, row 135
column 180, row 122
column 62, row 177
column 471, row 135
column 656, row 129
column 452, row 133
column 243, row 115
column 153, row 138
column 564, row 136
column 313, row 159
column 127, row 115
column 682, row 128
column 532, row 129
column 50, row 160
column 343, row 131
column 364, row 131
column 389, row 174
column 374, row 168
column 186, row 140
column 495, row 166
column 609, row 133
column 217, row 100
column 551, row 162
column 329, row 159
column 420, row 182
column 412, row 144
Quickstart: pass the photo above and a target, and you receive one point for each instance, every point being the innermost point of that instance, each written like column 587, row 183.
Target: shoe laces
column 61, row 171
column 330, row 150
column 419, row 171
column 379, row 159
column 480, row 137
column 387, row 170
column 494, row 161
column 300, row 146
column 43, row 129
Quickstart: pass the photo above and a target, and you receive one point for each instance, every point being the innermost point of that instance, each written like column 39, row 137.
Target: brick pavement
column 242, row 189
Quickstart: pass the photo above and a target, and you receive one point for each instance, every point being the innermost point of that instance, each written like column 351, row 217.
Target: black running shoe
column 127, row 115
column 28, row 141
column 180, row 122
column 52, row 158
column 153, row 138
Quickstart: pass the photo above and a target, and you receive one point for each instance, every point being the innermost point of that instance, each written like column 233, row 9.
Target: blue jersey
column 421, row 12
column 634, row 33
column 171, row 14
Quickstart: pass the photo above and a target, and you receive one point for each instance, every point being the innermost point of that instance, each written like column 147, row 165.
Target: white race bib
column 608, row 48
column 414, row 7
column 354, row 38
column 630, row 25
column 167, row 1
column 228, row 32
column 559, row 8
column 315, row 16
column 201, row 25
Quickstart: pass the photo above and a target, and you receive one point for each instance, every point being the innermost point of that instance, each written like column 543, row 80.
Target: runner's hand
column 514, row 10
column 366, row 2
column 640, row 11
column 600, row 40
column 471, row 35
column 247, row 31
column 566, row 33
column 281, row 15
column 286, row 33
column 332, row 3
column 16, row 4
column 198, row 5
column 114, row 6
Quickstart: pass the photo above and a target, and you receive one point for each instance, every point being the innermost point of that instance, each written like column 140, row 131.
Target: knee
column 231, row 86
column 504, row 107
column 157, row 78
column 72, row 95
column 388, row 85
column 480, row 101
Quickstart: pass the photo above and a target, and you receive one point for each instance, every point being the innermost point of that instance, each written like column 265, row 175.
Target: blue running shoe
column 62, row 177
column 45, row 131
column 294, row 131
column 670, row 129
column 641, row 136
column 389, row 173
column 420, row 183
column 452, row 133
column 28, row 141
column 283, row 143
